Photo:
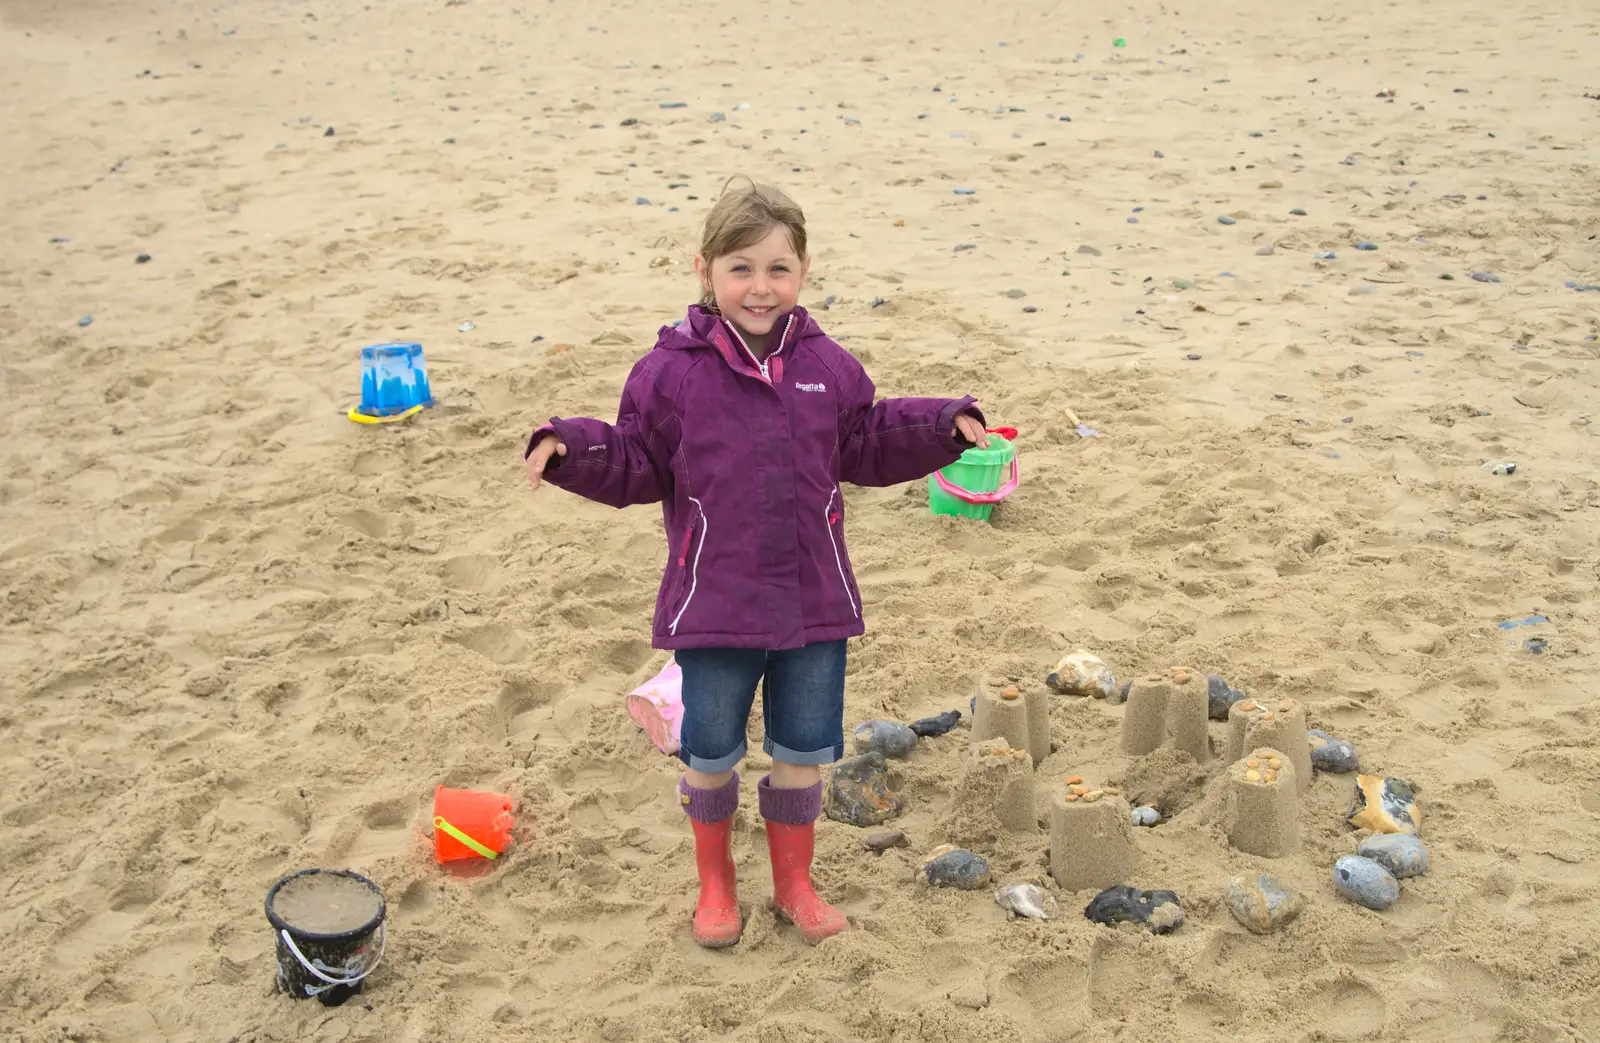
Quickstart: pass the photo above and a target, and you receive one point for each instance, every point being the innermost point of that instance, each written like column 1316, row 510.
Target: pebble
column 1332, row 755
column 1028, row 900
column 1265, row 251
column 966, row 246
column 1365, row 882
column 1160, row 155
column 1385, row 805
column 1298, row 212
column 1402, row 854
column 883, row 840
column 1016, row 294
column 328, row 133
column 1183, row 284
column 1160, row 911
column 1485, row 277
column 1326, row 255
column 674, row 105
column 859, row 792
column 1192, row 357
column 86, row 320
column 1584, row 287
column 1133, row 220
column 1145, row 816
column 1363, row 245
column 641, row 201
column 1089, row 251
column 886, row 737
column 1226, row 220
column 966, row 191
column 1030, row 308
column 1220, row 695
column 719, row 117
column 878, row 302
column 1082, row 673
column 1499, row 466
column 466, row 327
column 948, row 866
column 1262, row 903
column 927, row 726
column 142, row 259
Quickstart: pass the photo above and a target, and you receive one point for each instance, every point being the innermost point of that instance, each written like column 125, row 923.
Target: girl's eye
column 781, row 268
column 741, row 267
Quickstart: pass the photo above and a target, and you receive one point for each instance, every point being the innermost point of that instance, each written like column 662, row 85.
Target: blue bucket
column 394, row 378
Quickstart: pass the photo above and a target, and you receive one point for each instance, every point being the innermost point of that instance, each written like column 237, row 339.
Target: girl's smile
column 756, row 285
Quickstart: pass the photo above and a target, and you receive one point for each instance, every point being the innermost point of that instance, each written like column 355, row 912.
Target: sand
column 242, row 635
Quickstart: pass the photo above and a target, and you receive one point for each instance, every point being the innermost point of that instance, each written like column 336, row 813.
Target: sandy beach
column 241, row 635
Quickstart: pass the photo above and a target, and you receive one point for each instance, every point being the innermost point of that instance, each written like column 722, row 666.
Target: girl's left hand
column 971, row 429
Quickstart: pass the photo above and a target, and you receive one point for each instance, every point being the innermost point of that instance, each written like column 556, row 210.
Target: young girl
column 742, row 423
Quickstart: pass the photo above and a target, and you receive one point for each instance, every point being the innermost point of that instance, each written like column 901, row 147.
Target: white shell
column 1027, row 900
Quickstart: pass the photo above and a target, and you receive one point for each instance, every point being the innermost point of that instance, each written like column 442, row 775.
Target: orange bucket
column 470, row 824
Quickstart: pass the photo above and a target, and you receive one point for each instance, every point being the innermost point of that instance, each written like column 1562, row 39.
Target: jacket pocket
column 834, row 519
column 689, row 551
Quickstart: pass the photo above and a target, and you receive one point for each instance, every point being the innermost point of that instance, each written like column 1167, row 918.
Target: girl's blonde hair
column 744, row 216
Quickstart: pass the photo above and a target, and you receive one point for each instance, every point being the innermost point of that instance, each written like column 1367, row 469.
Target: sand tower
column 1276, row 723
column 1021, row 718
column 1167, row 709
column 1263, row 804
column 1091, row 836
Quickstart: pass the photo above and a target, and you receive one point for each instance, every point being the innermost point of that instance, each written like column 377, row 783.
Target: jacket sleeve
column 614, row 464
column 899, row 439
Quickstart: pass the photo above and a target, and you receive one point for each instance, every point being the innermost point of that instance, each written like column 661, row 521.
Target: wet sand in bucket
column 326, row 903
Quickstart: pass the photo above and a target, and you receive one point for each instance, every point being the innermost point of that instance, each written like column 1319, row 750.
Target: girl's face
column 756, row 286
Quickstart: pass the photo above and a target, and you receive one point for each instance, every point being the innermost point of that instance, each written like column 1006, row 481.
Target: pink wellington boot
column 716, row 916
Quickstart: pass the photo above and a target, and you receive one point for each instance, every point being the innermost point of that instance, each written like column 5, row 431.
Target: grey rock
column 1264, row 251
column 86, row 320
column 1159, row 911
column 927, row 726
column 955, row 867
column 1364, row 245
column 886, row 737
column 860, row 792
column 1485, row 277
column 1402, row 854
column 883, row 840
column 1262, row 903
column 1365, row 882
column 1226, row 220
column 1220, row 695
column 1145, row 816
column 1327, row 255
column 1332, row 755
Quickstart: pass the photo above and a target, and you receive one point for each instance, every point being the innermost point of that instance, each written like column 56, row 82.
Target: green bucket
column 970, row 487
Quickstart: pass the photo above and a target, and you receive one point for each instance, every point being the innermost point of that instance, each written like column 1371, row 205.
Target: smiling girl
column 742, row 422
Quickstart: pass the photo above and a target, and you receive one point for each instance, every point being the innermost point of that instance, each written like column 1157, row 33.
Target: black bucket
column 329, row 965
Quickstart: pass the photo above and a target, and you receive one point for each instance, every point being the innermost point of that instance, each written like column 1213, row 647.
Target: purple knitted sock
column 791, row 807
column 709, row 805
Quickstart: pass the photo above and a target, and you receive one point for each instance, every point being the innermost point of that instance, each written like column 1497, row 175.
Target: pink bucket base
column 657, row 707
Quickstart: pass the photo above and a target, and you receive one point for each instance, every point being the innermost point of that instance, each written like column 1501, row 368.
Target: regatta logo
column 817, row 388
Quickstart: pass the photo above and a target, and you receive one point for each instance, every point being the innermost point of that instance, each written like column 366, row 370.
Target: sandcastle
column 1276, row 723
column 1168, row 709
column 1263, row 804
column 1001, row 778
column 1022, row 719
column 1091, row 836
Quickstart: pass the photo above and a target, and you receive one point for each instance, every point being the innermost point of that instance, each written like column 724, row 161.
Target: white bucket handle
column 317, row 967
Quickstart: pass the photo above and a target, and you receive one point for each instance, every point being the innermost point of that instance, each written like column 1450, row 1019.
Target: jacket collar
column 702, row 328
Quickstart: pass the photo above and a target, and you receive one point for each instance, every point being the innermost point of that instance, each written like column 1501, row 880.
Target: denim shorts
column 802, row 702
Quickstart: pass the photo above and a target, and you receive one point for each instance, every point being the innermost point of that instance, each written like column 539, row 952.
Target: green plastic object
column 1121, row 41
column 975, row 483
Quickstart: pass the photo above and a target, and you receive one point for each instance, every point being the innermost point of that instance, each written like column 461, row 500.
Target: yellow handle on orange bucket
column 440, row 823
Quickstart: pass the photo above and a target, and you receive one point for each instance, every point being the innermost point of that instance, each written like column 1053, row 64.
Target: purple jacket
column 746, row 458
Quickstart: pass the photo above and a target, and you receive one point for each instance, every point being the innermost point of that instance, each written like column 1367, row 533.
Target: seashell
column 1402, row 854
column 929, row 726
column 860, row 793
column 1082, row 673
column 1365, row 882
column 885, row 737
column 1160, row 911
column 883, row 840
column 1028, row 900
column 1385, row 805
column 950, row 866
column 1261, row 903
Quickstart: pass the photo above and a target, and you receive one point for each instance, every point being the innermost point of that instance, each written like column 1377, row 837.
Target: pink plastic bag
column 657, row 706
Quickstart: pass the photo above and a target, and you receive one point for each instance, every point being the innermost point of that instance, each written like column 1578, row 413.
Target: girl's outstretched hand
column 548, row 446
column 971, row 429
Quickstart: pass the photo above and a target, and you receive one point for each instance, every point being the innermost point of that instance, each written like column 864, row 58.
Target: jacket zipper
column 833, row 517
column 683, row 560
column 762, row 364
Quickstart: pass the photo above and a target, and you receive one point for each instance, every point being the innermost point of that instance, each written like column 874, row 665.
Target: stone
column 1220, row 695
column 1366, row 246
column 1082, row 673
column 1265, row 251
column 1402, row 854
column 860, row 792
column 883, row 840
column 1145, row 816
column 1159, row 911
column 1385, row 805
column 1365, row 882
column 886, row 737
column 1332, row 755
column 950, row 866
column 928, row 726
column 1226, row 220
column 1261, row 903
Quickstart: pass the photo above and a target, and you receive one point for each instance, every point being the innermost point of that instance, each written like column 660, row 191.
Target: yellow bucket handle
column 440, row 823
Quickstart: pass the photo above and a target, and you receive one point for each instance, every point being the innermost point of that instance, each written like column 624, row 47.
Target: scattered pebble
column 965, row 246
column 883, row 840
column 1133, row 220
column 1332, row 755
column 1183, row 284
column 1485, row 277
column 1220, row 697
column 1385, row 805
column 641, row 201
column 328, row 133
column 1226, row 220
column 929, row 726
column 1265, row 251
column 1192, row 357
column 1082, row 673
column 949, row 866
column 886, row 737
column 966, row 191
column 674, row 105
column 1536, row 645
column 1030, row 308
column 1500, row 466
column 1365, row 882
column 1028, row 900
column 878, row 302
column 1144, row 816
column 1581, row 287
column 859, row 792
column 1160, row 911
column 142, row 259
column 1326, row 255
column 1402, row 854
column 719, row 117
column 85, row 320
column 1298, row 212
column 1016, row 294
column 1364, row 245
column 630, row 122
column 1262, row 903
column 466, row 327
column 1160, row 155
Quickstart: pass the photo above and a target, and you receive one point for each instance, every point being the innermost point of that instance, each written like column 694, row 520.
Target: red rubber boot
column 716, row 915
column 791, row 838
